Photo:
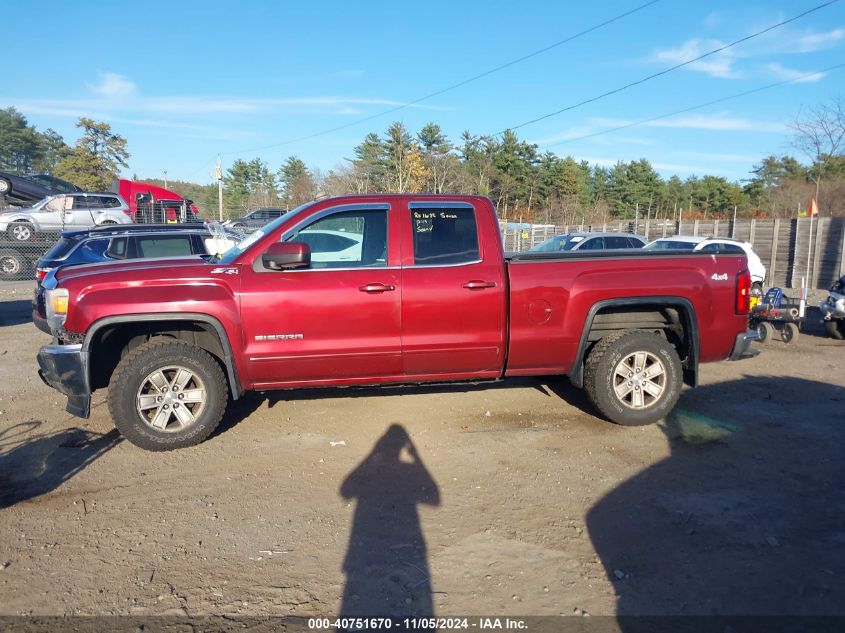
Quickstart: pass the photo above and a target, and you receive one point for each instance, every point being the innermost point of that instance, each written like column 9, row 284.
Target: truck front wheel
column 633, row 378
column 167, row 394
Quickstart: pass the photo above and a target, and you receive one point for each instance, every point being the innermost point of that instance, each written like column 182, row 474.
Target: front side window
column 444, row 236
column 108, row 202
column 347, row 239
column 56, row 203
column 594, row 244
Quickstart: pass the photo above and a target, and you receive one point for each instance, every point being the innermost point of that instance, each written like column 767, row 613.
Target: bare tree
column 820, row 135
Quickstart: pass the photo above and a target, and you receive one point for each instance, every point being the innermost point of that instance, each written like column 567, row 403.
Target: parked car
column 332, row 246
column 833, row 310
column 137, row 241
column 715, row 245
column 256, row 219
column 28, row 189
column 62, row 211
column 430, row 298
column 589, row 242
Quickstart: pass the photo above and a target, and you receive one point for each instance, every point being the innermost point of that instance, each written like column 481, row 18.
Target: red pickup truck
column 370, row 290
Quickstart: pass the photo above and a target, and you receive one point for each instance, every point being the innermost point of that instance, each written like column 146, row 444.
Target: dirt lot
column 497, row 500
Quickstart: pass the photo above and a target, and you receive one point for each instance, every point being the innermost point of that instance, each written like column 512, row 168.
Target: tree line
column 525, row 184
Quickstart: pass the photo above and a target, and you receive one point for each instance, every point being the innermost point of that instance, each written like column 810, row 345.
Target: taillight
column 743, row 292
column 40, row 273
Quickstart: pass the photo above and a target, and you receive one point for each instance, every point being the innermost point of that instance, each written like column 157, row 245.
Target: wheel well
column 675, row 322
column 111, row 343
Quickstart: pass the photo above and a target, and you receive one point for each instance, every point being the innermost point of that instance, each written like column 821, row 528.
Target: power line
column 668, row 70
column 459, row 84
column 695, row 107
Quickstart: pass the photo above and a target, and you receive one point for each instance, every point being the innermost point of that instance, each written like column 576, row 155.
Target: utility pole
column 165, row 177
column 218, row 172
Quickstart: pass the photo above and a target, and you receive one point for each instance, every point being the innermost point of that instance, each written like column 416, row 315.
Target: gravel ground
column 510, row 500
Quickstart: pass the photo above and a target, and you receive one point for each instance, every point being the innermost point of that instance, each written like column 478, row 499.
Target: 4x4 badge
column 225, row 271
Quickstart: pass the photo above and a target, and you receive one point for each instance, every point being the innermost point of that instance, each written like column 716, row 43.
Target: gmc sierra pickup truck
column 371, row 290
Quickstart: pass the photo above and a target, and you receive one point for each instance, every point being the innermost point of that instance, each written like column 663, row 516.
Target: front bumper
column 742, row 346
column 65, row 369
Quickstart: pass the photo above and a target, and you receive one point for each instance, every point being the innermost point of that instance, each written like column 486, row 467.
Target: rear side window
column 616, row 241
column 633, row 242
column 96, row 247
column 61, row 248
column 163, row 246
column 444, row 236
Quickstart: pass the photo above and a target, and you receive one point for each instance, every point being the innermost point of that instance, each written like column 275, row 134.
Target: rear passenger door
column 453, row 294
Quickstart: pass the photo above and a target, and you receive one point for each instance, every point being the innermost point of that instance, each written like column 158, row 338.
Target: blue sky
column 184, row 80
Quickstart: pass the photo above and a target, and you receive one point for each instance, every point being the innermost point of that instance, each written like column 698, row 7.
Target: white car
column 332, row 246
column 65, row 211
column 714, row 245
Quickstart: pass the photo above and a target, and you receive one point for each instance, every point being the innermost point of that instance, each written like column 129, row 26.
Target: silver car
column 589, row 241
column 65, row 211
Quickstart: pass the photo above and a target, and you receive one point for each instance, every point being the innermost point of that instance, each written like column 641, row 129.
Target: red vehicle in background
column 151, row 204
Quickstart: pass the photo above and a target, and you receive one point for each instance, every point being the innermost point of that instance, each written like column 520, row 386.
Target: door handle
column 477, row 284
column 376, row 288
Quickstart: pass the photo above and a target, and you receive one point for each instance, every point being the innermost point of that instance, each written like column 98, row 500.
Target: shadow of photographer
column 386, row 562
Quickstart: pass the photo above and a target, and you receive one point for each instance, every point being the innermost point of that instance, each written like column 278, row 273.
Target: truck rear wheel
column 167, row 394
column 634, row 378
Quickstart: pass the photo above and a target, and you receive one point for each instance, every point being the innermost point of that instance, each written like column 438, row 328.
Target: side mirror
column 287, row 256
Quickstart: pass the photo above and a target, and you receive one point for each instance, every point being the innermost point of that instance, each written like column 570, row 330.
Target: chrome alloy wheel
column 21, row 231
column 639, row 380
column 171, row 399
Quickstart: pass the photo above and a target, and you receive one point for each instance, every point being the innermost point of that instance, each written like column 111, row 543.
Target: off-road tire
column 835, row 328
column 137, row 366
column 14, row 266
column 16, row 230
column 789, row 333
column 600, row 371
column 765, row 331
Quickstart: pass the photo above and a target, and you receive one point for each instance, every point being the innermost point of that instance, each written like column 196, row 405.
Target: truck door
column 337, row 319
column 453, row 294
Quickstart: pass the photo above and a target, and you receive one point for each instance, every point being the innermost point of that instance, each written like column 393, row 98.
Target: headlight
column 56, row 304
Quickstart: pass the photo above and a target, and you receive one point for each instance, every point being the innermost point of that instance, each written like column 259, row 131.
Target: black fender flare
column 689, row 321
column 228, row 358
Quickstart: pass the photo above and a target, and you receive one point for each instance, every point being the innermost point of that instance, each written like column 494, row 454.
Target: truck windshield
column 238, row 249
column 670, row 245
column 558, row 243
